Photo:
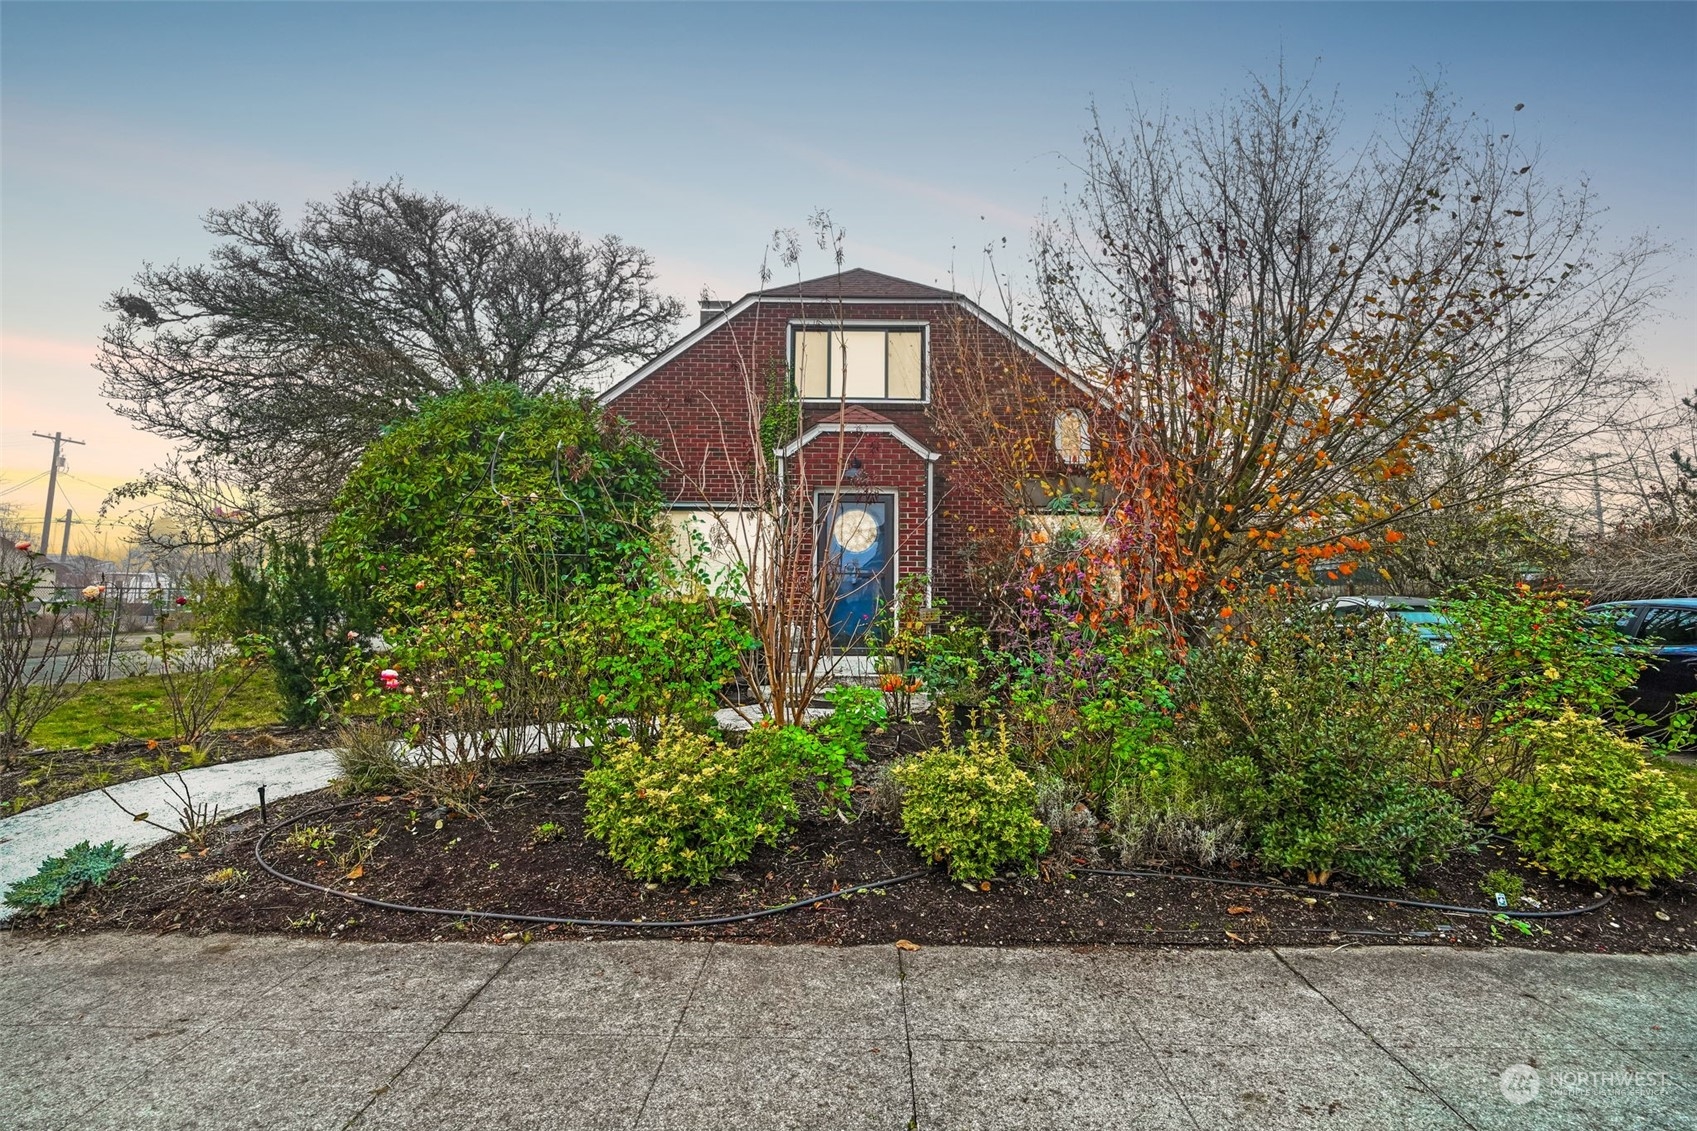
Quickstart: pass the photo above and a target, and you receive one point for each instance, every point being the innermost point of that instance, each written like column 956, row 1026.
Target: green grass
column 135, row 707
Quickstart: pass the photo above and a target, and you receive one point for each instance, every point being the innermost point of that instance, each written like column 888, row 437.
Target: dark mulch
column 431, row 858
column 40, row 777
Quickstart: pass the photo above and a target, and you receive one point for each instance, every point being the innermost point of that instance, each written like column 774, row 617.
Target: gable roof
column 836, row 288
column 860, row 283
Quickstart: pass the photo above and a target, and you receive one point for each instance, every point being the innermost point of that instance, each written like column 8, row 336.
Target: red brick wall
column 701, row 410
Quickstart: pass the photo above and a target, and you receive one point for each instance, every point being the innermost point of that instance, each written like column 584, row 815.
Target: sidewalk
column 136, row 1031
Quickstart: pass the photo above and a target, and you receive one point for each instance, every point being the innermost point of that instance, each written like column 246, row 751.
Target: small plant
column 855, row 711
column 312, row 921
column 351, row 857
column 225, row 879
column 1505, row 888
column 195, row 820
column 311, row 838
column 546, row 833
column 1594, row 809
column 690, row 807
column 1500, row 920
column 370, row 758
column 971, row 808
column 44, row 646
column 61, row 876
column 202, row 671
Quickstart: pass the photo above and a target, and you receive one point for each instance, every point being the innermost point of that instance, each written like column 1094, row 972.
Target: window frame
column 801, row 325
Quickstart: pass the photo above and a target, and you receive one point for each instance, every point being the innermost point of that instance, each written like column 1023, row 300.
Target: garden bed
column 502, row 865
column 40, row 777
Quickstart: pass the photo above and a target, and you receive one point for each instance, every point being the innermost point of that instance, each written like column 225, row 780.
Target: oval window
column 1072, row 436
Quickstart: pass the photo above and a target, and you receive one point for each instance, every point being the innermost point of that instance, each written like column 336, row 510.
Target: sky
column 929, row 132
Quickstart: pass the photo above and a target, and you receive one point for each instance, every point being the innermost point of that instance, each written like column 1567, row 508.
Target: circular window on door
column 855, row 530
column 1072, row 436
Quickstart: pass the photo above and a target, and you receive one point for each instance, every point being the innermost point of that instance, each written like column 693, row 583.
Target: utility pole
column 52, row 485
column 65, row 545
column 1597, row 494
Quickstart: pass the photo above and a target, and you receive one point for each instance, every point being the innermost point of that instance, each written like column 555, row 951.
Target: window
column 1670, row 627
column 1072, row 436
column 860, row 364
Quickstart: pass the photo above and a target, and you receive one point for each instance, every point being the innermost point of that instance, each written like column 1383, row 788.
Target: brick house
column 923, row 425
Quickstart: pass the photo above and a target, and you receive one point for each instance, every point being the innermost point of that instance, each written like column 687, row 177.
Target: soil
column 40, row 777
column 500, row 864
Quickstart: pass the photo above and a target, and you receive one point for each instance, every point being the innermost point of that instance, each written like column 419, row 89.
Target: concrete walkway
column 129, row 1031
column 32, row 836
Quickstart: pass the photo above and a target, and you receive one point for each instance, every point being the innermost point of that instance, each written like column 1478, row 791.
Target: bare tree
column 273, row 365
column 1292, row 329
column 763, row 511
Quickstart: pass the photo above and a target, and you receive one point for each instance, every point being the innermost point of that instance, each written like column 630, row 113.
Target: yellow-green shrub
column 971, row 808
column 687, row 808
column 1594, row 809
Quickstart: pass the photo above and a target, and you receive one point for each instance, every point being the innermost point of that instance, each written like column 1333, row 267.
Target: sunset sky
column 928, row 131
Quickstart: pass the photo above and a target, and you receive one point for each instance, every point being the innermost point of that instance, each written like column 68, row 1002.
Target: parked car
column 1669, row 626
column 1417, row 612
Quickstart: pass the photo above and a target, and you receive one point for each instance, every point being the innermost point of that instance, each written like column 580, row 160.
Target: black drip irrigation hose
column 1325, row 893
column 552, row 920
column 765, row 912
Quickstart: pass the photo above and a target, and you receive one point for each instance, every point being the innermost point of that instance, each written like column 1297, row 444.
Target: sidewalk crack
column 907, row 1033
column 440, row 1029
column 677, row 1027
column 1378, row 1044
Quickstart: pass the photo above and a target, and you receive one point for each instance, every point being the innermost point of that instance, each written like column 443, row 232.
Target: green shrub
column 60, row 876
column 529, row 491
column 1595, row 810
column 854, row 712
column 1165, row 818
column 642, row 656
column 1293, row 725
column 287, row 599
column 687, row 808
column 810, row 755
column 971, row 808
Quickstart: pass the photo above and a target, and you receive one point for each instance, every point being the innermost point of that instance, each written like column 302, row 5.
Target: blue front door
column 856, row 544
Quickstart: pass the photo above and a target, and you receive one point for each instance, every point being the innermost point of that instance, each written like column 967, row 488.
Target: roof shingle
column 858, row 282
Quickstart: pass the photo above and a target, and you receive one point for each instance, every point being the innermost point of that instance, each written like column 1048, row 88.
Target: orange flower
column 1392, row 537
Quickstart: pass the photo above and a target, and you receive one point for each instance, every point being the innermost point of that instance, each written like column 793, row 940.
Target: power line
column 36, row 478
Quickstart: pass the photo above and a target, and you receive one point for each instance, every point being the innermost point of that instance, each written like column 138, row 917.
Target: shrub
column 287, row 599
column 45, row 646
column 1595, row 810
column 1167, row 819
column 61, row 876
column 687, row 808
column 971, row 808
column 499, row 473
column 1506, row 884
column 1509, row 657
column 1292, row 725
column 641, row 656
column 368, row 758
column 1091, row 702
column 817, row 756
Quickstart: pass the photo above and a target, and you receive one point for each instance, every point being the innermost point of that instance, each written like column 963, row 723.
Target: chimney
column 711, row 308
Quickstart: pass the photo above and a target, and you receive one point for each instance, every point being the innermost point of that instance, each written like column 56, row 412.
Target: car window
column 1670, row 626
column 1617, row 617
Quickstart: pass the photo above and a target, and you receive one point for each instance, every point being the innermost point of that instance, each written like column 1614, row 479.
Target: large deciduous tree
column 1305, row 342
column 277, row 362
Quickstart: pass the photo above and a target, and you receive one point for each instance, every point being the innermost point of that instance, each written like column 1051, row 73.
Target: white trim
column 622, row 386
column 832, row 427
column 619, row 388
column 828, row 324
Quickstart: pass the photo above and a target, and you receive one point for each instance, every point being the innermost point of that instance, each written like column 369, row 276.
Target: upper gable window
column 860, row 364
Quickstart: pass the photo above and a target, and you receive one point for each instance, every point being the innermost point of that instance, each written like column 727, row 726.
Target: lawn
column 136, row 707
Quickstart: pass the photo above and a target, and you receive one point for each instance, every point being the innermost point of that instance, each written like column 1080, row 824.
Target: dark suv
column 1669, row 626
